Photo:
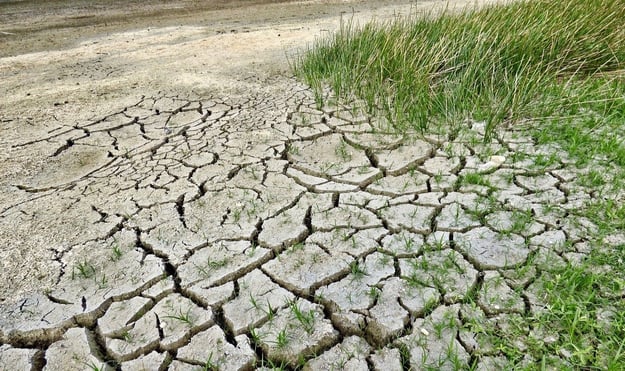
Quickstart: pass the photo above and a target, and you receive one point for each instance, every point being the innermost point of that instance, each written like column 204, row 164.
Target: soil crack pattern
column 229, row 233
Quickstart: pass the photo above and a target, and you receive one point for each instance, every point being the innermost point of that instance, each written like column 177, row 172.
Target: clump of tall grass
column 499, row 63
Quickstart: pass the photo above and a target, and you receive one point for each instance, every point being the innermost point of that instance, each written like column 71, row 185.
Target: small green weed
column 593, row 179
column 211, row 265
column 306, row 319
column 282, row 340
column 210, row 365
column 182, row 316
column 116, row 251
column 356, row 270
column 342, row 151
column 83, row 269
column 93, row 367
column 374, row 293
column 475, row 179
column 255, row 336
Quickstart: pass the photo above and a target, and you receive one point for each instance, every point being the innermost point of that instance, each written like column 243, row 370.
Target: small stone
column 494, row 162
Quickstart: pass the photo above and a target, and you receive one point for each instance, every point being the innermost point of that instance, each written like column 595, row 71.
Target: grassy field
column 531, row 59
column 554, row 67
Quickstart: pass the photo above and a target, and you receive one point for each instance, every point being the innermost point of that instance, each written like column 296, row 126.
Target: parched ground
column 171, row 198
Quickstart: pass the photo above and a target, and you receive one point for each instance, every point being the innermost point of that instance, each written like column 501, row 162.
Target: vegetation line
column 500, row 64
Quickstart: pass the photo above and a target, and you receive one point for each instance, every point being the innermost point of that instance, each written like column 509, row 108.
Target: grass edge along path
column 557, row 67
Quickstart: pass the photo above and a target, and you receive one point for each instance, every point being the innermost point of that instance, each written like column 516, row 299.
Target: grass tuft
column 501, row 63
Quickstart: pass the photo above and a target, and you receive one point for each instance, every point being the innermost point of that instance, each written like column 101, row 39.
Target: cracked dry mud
column 253, row 228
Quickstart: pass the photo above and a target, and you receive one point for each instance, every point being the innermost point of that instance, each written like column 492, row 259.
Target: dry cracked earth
column 250, row 228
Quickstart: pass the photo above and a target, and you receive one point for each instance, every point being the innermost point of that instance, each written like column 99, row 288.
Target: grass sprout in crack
column 305, row 318
column 83, row 269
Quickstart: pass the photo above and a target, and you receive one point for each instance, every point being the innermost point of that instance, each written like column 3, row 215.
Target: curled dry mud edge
column 171, row 198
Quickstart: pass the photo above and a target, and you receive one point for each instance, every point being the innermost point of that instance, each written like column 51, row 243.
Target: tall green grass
column 497, row 64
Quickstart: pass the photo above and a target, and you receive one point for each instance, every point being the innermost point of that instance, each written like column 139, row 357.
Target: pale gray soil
column 171, row 197
column 88, row 72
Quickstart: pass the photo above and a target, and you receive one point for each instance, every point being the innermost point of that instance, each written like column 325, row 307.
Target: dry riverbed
column 170, row 197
